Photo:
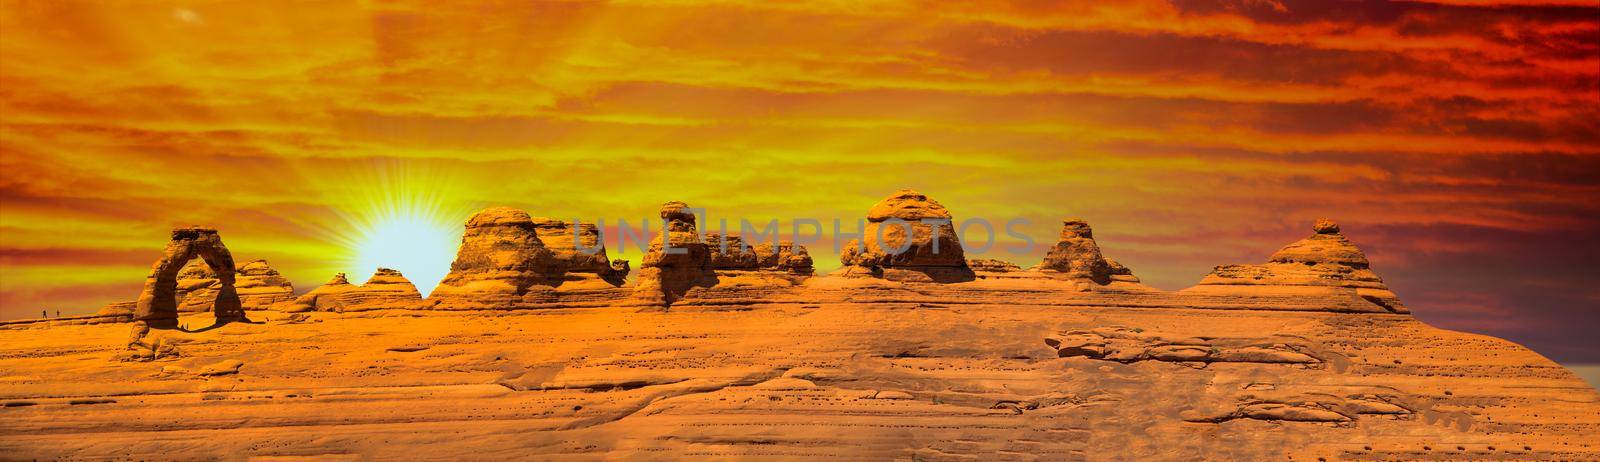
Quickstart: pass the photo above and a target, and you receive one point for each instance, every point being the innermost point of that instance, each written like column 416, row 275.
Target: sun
column 416, row 245
column 401, row 219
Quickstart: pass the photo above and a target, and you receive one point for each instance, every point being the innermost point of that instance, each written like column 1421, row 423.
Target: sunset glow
column 1458, row 144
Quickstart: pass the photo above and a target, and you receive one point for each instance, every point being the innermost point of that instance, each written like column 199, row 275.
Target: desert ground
column 869, row 369
column 530, row 349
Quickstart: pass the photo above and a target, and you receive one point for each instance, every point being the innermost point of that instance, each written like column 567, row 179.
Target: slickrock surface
column 1301, row 358
column 1326, row 264
column 970, row 371
column 932, row 251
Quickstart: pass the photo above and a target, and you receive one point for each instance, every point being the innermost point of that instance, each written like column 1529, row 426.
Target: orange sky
column 1459, row 144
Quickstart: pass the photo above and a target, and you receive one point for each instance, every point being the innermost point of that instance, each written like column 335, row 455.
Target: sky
column 1458, row 143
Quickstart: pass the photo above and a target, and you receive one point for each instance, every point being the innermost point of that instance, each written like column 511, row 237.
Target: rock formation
column 500, row 260
column 386, row 289
column 257, row 285
column 1326, row 264
column 677, row 259
column 789, row 257
column 1305, row 357
column 558, row 236
column 929, row 252
column 990, row 265
column 731, row 253
column 158, row 301
column 1077, row 256
column 260, row 286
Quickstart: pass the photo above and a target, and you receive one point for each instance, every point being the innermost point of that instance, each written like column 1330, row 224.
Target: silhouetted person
column 44, row 314
column 58, row 313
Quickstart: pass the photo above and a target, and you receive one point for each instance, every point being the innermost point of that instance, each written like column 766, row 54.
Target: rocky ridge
column 1303, row 357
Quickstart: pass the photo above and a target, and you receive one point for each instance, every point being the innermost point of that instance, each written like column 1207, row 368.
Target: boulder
column 665, row 276
column 732, row 253
column 564, row 242
column 897, row 244
column 792, row 258
column 1076, row 255
column 500, row 259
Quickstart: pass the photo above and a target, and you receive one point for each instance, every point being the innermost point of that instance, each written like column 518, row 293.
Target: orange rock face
column 501, row 259
column 1304, row 357
column 900, row 243
column 580, row 250
column 386, row 289
column 677, row 259
column 1077, row 255
column 1326, row 263
column 158, row 301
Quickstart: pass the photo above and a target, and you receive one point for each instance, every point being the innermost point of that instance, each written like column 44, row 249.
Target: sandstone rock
column 676, row 261
column 792, row 258
column 1120, row 272
column 1077, row 255
column 1128, row 346
column 327, row 297
column 500, row 259
column 992, row 265
column 224, row 367
column 386, row 289
column 732, row 253
column 118, row 309
column 898, row 245
column 260, row 286
column 892, row 394
column 564, row 243
column 158, row 301
column 1325, row 263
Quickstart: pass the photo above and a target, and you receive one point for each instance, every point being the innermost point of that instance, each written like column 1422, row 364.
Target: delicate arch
column 158, row 301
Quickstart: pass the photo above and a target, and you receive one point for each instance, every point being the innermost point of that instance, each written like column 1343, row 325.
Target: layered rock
column 260, row 286
column 1325, row 265
column 257, row 285
column 731, row 253
column 990, row 265
column 897, row 244
column 1076, row 255
column 386, row 289
column 790, row 257
column 581, row 250
column 500, row 260
column 158, row 302
column 677, row 259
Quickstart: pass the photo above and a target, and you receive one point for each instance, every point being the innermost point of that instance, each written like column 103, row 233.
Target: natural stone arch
column 158, row 301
